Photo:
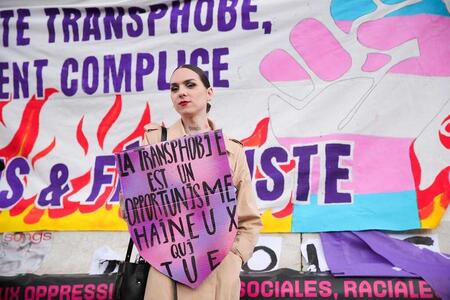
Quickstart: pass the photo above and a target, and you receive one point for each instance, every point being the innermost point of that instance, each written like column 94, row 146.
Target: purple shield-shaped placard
column 180, row 204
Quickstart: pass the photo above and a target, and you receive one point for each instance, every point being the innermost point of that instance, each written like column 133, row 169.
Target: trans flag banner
column 343, row 107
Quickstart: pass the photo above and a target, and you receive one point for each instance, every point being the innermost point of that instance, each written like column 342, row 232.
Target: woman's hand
column 122, row 212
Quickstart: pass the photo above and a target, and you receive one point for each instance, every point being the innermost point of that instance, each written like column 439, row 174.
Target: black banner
column 278, row 284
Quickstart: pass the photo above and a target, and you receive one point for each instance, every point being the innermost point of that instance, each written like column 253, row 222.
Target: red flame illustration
column 286, row 211
column 109, row 119
column 257, row 139
column 21, row 206
column 81, row 138
column 68, row 206
column 439, row 186
column 444, row 135
column 44, row 152
column 259, row 135
column 145, row 119
column 23, row 141
column 2, row 105
column 33, row 216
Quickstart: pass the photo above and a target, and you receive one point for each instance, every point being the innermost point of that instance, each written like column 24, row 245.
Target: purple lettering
column 335, row 173
column 262, row 186
column 90, row 63
column 22, row 26
column 59, row 174
column 227, row 13
column 198, row 15
column 117, row 75
column 51, row 14
column 157, row 11
column 100, row 178
column 134, row 14
column 144, row 66
column 113, row 23
column 16, row 165
column 40, row 64
column 304, row 154
column 218, row 66
column 20, row 80
column 181, row 54
column 200, row 53
column 69, row 24
column 6, row 15
column 91, row 25
column 162, row 66
column 250, row 155
column 70, row 65
column 3, row 79
column 178, row 13
column 247, row 8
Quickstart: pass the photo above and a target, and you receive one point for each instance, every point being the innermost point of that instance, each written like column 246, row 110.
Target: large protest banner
column 343, row 106
column 180, row 204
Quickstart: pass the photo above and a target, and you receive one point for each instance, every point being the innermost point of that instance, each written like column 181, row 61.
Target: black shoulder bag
column 132, row 277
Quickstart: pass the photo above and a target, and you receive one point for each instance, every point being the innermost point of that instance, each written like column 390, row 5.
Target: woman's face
column 189, row 95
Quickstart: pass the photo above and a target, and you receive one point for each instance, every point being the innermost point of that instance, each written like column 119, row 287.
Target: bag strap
column 163, row 134
column 130, row 243
column 130, row 248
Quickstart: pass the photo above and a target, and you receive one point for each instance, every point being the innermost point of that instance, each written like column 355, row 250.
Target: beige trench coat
column 223, row 282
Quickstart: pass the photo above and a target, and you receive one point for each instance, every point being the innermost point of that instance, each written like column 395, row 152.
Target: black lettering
column 191, row 277
column 139, row 236
column 219, row 137
column 167, row 265
column 212, row 258
column 232, row 214
column 212, row 222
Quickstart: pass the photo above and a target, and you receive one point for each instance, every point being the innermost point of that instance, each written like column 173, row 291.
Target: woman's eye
column 174, row 89
column 190, row 85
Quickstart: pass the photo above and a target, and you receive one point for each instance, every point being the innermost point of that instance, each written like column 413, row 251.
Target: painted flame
column 2, row 105
column 44, row 152
column 23, row 142
column 25, row 137
column 281, row 220
column 145, row 119
column 81, row 138
column 108, row 120
column 434, row 200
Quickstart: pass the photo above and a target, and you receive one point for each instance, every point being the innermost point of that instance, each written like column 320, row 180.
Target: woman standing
column 191, row 93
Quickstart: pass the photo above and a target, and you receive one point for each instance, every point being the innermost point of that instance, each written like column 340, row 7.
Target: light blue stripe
column 389, row 211
column 349, row 10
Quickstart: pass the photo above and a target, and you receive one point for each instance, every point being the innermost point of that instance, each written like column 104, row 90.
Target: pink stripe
column 375, row 61
column 279, row 65
column 433, row 36
column 379, row 164
column 319, row 48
